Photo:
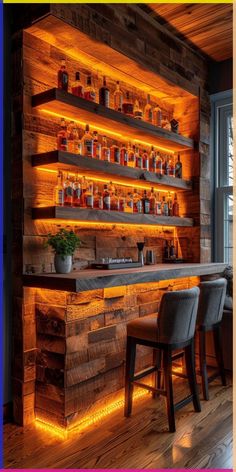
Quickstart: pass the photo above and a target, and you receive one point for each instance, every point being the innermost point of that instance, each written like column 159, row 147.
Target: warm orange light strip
column 64, row 222
column 117, row 182
column 105, row 130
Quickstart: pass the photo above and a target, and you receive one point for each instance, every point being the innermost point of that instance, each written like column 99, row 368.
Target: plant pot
column 63, row 264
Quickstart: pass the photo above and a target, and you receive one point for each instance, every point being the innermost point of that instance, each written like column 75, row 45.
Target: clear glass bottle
column 105, row 150
column 97, row 147
column 178, row 168
column 152, row 200
column 165, row 207
column 106, row 198
column 68, row 191
column 131, row 156
column 115, row 154
column 138, row 205
column 76, row 192
column 138, row 113
column 153, row 160
column 62, row 137
column 124, row 155
column 122, row 201
column 70, row 137
column 157, row 116
column 146, row 203
column 145, row 160
column 63, row 77
column 104, row 94
column 59, row 191
column 89, row 92
column 159, row 164
column 167, row 165
column 138, row 157
column 88, row 196
column 158, row 210
column 175, row 206
column 77, row 86
column 148, row 112
column 127, row 106
column 87, row 143
column 118, row 97
column 84, row 185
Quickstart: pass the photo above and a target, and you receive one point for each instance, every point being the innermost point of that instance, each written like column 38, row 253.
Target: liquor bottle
column 175, row 206
column 138, row 157
column 146, row 203
column 106, row 198
column 76, row 140
column 171, row 167
column 138, row 113
column 138, row 206
column 59, row 191
column 97, row 199
column 159, row 164
column 122, row 201
column 63, row 77
column 97, row 147
column 105, row 150
column 76, row 192
column 124, row 155
column 77, row 87
column 164, row 165
column 70, row 137
column 68, row 191
column 129, row 207
column 165, row 207
column 178, row 168
column 84, row 185
column 115, row 201
column 153, row 160
column 62, row 137
column 158, row 209
column 89, row 93
column 152, row 202
column 115, row 154
column 148, row 110
column 145, row 160
column 87, row 143
column 167, row 166
column 118, row 97
column 127, row 106
column 170, row 205
column 88, row 195
column 104, row 94
column 131, row 157
column 157, row 116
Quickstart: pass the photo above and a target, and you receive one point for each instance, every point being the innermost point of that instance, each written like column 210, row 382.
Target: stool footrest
column 179, row 374
column 183, row 402
column 144, row 372
column 150, row 388
column 177, row 356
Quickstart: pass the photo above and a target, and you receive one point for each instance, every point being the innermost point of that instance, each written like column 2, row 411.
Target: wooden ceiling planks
column 209, row 27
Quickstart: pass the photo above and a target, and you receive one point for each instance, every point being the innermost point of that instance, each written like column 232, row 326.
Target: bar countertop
column 92, row 279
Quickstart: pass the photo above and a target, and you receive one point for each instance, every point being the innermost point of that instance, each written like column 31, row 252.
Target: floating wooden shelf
column 65, row 161
column 104, row 216
column 66, row 104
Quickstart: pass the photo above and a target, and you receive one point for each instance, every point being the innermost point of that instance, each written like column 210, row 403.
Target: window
column 223, row 167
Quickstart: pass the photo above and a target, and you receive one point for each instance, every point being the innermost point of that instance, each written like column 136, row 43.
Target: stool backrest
column 211, row 302
column 177, row 316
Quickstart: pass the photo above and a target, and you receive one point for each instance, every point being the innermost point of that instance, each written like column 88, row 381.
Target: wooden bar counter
column 81, row 333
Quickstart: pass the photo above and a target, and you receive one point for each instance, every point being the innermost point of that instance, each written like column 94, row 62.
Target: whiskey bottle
column 170, row 205
column 106, row 198
column 62, row 137
column 152, row 202
column 145, row 160
column 97, row 148
column 167, row 166
column 138, row 157
column 171, row 167
column 59, row 191
column 138, row 206
column 89, row 93
column 63, row 77
column 84, row 185
column 118, row 97
column 153, row 160
column 115, row 154
column 87, row 143
column 76, row 140
column 122, row 201
column 77, row 87
column 178, row 168
column 105, row 150
column 138, row 113
column 175, row 206
column 157, row 116
column 88, row 195
column 131, row 156
column 158, row 209
column 146, row 203
column 70, row 137
column 129, row 207
column 115, row 201
column 104, row 94
column 68, row 191
column 76, row 192
column 165, row 207
column 127, row 106
column 148, row 110
column 97, row 199
column 124, row 155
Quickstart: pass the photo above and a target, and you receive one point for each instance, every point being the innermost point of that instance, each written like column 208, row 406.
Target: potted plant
column 64, row 244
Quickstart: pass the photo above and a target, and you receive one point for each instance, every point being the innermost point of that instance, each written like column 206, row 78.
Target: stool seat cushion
column 144, row 328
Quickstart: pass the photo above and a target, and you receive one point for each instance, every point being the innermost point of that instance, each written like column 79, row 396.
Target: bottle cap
column 77, row 76
column 87, row 128
column 89, row 80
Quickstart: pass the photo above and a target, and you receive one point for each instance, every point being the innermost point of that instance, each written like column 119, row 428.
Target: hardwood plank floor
column 202, row 440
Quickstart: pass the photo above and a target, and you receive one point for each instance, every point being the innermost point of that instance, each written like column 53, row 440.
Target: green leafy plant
column 64, row 243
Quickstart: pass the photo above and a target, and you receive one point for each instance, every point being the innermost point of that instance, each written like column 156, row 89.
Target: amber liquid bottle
column 118, row 97
column 104, row 94
column 63, row 77
column 59, row 191
column 77, row 87
column 62, row 137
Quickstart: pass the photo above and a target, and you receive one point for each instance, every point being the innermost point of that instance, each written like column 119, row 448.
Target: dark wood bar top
column 92, row 279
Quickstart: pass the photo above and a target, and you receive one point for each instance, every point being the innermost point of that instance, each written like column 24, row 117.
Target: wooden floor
column 202, row 440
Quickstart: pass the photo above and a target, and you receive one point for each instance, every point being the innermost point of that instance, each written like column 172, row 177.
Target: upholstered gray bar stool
column 173, row 329
column 209, row 318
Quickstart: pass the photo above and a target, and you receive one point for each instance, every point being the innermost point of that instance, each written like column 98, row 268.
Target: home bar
column 112, row 214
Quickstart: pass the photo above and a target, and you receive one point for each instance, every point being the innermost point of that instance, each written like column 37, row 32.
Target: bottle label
column 78, row 91
column 90, row 96
column 128, row 108
column 158, row 208
column 64, row 78
column 117, row 155
column 60, row 197
column 89, row 201
column 107, row 202
column 139, row 206
column 139, row 162
column 146, row 206
column 88, row 147
column 106, row 155
column 77, row 193
column 146, row 163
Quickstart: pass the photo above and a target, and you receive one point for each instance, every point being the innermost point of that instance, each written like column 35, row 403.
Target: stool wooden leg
column 129, row 374
column 157, row 374
column 219, row 353
column 167, row 367
column 203, row 367
column 191, row 374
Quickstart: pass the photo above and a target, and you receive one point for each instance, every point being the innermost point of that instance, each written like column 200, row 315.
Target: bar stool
column 209, row 318
column 173, row 329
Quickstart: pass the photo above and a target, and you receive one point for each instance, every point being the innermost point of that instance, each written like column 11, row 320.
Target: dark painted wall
column 221, row 76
